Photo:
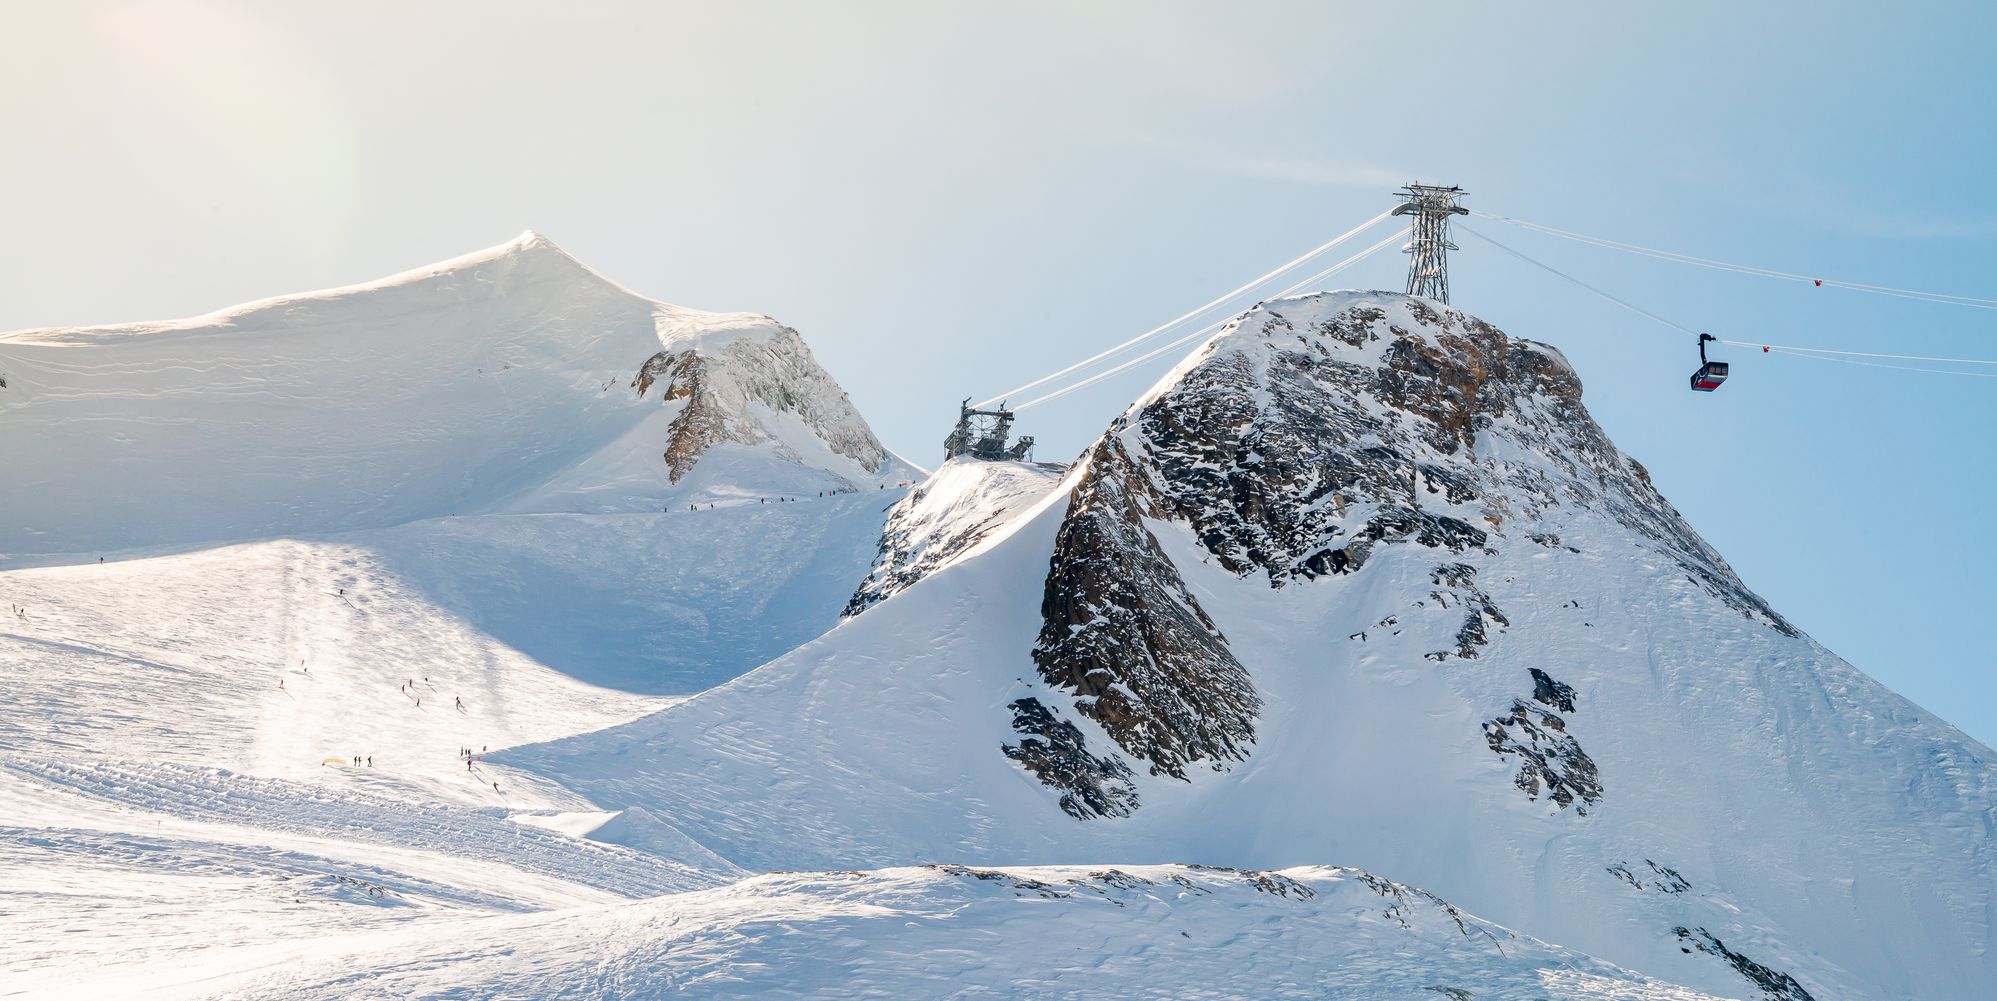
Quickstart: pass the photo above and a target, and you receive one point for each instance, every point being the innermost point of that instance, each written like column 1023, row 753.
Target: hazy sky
column 950, row 198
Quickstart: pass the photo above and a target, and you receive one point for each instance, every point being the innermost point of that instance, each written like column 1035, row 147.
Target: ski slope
column 941, row 931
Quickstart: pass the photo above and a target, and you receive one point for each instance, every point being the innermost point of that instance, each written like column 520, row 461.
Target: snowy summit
column 515, row 379
column 491, row 630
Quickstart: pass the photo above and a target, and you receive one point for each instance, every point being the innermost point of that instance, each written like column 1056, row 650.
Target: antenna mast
column 1428, row 265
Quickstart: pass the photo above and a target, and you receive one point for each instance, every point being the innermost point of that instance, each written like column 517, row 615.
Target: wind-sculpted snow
column 500, row 381
column 947, row 516
column 1160, row 931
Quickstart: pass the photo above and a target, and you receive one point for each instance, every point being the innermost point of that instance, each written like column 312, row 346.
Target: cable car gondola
column 1710, row 373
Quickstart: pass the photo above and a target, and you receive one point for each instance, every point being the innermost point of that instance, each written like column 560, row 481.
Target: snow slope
column 178, row 825
column 1358, row 583
column 948, row 516
column 514, row 379
column 1402, row 606
column 944, row 931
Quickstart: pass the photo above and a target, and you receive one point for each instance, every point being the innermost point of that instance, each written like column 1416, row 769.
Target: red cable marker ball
column 1820, row 283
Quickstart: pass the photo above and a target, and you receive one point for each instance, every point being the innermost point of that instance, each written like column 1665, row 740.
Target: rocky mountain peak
column 1306, row 436
column 746, row 379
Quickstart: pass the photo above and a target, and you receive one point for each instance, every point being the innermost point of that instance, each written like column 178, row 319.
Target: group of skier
column 822, row 494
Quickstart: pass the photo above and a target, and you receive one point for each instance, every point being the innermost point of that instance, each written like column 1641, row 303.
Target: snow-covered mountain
column 1362, row 582
column 511, row 380
column 508, row 443
column 409, row 675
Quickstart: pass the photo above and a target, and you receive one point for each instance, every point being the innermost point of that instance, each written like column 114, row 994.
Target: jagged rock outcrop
column 752, row 384
column 1773, row 984
column 1091, row 785
column 1551, row 761
column 1120, row 631
column 1456, row 587
column 1650, row 876
column 1299, row 442
column 1553, row 693
column 1296, row 446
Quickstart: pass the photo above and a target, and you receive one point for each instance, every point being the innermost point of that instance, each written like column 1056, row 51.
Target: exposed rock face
column 1296, row 453
column 700, row 423
column 1055, row 750
column 1650, row 876
column 744, row 387
column 1457, row 588
column 1774, row 984
column 1551, row 760
column 1120, row 630
column 1299, row 442
column 1551, row 692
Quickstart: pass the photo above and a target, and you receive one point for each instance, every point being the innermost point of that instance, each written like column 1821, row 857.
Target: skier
column 280, row 682
column 495, row 787
column 370, row 761
column 468, row 764
column 419, row 703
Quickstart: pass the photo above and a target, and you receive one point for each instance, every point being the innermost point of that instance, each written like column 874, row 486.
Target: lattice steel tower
column 1428, row 265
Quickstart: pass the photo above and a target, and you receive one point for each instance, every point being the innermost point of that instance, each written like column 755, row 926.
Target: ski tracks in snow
column 454, row 836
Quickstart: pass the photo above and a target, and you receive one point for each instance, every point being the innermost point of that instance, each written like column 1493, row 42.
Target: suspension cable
column 1547, row 267
column 1798, row 349
column 1211, row 327
column 1161, row 328
column 1820, row 354
column 1874, row 364
column 1974, row 302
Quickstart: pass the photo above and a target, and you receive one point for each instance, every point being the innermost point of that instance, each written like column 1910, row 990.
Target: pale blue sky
column 949, row 199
